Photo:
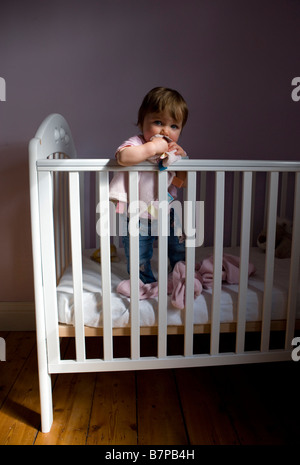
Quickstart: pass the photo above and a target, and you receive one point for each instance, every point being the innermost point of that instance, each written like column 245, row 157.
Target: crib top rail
column 181, row 165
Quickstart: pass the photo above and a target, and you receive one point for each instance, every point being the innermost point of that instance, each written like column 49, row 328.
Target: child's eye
column 157, row 123
column 174, row 126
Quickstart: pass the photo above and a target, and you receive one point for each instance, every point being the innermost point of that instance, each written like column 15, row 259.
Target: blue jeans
column 176, row 251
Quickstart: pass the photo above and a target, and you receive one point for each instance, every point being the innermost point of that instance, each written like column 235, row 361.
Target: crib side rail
column 46, row 168
column 107, row 164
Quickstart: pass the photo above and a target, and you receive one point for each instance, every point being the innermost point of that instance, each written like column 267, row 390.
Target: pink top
column 148, row 184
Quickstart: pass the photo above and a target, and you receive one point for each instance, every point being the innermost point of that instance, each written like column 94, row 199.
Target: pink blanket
column 203, row 279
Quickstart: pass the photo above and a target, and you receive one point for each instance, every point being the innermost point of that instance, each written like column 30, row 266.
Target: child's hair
column 160, row 99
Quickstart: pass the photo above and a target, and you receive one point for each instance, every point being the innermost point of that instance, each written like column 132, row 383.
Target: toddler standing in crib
column 161, row 118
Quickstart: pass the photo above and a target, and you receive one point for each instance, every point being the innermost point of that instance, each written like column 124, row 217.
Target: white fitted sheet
column 92, row 294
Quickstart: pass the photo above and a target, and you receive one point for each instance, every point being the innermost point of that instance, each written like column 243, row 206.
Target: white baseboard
column 17, row 316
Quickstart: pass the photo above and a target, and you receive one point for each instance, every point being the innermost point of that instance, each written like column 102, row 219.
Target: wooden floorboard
column 250, row 404
column 206, row 419
column 160, row 418
column 72, row 400
column 113, row 413
column 19, row 414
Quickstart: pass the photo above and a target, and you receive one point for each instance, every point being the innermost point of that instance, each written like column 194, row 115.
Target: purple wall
column 93, row 62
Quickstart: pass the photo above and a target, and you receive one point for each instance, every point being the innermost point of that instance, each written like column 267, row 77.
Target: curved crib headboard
column 53, row 136
column 53, row 140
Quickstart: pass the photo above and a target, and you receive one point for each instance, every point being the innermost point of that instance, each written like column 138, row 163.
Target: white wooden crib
column 59, row 213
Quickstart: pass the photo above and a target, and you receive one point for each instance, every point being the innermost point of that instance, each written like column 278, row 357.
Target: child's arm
column 135, row 154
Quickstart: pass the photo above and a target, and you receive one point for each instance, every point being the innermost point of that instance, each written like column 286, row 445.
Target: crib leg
column 45, row 385
column 46, row 401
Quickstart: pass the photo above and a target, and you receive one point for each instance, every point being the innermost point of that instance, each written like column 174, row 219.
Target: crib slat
column 269, row 261
column 81, row 183
column 62, row 225
column 244, row 260
column 134, row 265
column 105, row 264
column 203, row 176
column 56, row 217
column 190, row 220
column 267, row 189
column 235, row 208
column 218, row 256
column 66, row 220
column 114, row 224
column 253, row 240
column 294, row 267
column 48, row 265
column 162, row 264
column 77, row 264
column 97, row 199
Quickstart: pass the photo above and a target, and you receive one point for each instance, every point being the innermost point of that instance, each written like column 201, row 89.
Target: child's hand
column 161, row 145
column 174, row 146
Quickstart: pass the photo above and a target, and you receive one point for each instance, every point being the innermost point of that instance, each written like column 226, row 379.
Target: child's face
column 161, row 123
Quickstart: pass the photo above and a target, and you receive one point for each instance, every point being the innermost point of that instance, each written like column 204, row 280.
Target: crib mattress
column 92, row 294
